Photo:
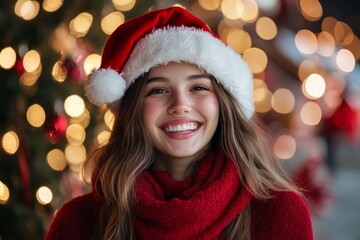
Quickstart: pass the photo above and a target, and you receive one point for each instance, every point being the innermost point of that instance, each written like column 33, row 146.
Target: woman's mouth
column 182, row 127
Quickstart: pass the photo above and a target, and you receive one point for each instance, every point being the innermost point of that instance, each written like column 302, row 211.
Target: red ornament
column 19, row 66
column 56, row 127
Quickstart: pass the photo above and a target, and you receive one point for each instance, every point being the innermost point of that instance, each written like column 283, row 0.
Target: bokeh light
column 44, row 195
column 36, row 115
column 92, row 61
column 111, row 21
column 311, row 9
column 31, row 61
column 4, row 193
column 81, row 24
column 311, row 113
column 266, row 28
column 74, row 106
column 75, row 133
column 52, row 5
column 210, row 4
column 345, row 60
column 283, row 101
column 10, row 142
column 56, row 159
column 124, row 5
column 7, row 58
column 314, row 86
column 284, row 146
column 306, row 41
column 256, row 58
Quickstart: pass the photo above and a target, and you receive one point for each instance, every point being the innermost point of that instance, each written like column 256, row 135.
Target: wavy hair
column 129, row 152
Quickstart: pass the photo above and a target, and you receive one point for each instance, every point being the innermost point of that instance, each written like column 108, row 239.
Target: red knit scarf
column 200, row 207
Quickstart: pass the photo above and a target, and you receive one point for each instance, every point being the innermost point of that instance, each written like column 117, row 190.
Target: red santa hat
column 157, row 38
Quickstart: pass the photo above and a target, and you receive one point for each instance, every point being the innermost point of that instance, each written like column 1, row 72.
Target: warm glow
column 56, row 159
column 44, row 195
column 31, row 61
column 10, row 142
column 111, row 21
column 124, row 5
column 59, row 72
column 311, row 113
column 75, row 154
column 81, row 24
column 266, row 28
column 4, row 193
column 74, row 105
column 326, row 44
column 103, row 137
column 306, row 41
column 285, row 147
column 311, row 9
column 308, row 67
column 341, row 31
column 314, row 86
column 256, row 58
column 109, row 119
column 36, row 115
column 52, row 5
column 83, row 119
column 92, row 61
column 345, row 61
column 328, row 25
column 75, row 134
column 62, row 41
column 260, row 90
column 250, row 12
column 28, row 9
column 264, row 105
column 30, row 78
column 237, row 39
column 283, row 101
column 232, row 9
column 7, row 58
column 209, row 4
column 353, row 46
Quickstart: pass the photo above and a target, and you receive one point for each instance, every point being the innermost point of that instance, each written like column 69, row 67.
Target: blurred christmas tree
column 304, row 64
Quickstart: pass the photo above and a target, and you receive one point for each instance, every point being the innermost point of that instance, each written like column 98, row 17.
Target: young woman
column 186, row 158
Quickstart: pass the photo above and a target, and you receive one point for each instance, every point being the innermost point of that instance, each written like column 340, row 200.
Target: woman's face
column 180, row 109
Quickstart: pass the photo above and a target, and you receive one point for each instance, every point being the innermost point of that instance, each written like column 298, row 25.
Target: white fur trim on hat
column 197, row 47
column 104, row 86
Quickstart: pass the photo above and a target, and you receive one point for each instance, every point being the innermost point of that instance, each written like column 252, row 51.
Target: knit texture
column 197, row 208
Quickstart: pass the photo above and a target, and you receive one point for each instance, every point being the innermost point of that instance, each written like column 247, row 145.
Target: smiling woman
column 186, row 158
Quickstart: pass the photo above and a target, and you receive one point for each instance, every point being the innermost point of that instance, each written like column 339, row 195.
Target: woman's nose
column 180, row 103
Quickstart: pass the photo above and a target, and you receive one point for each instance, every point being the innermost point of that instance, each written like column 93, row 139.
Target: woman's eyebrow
column 157, row 79
column 191, row 77
column 197, row 76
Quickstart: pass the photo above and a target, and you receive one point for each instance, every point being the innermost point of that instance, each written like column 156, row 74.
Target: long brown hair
column 129, row 152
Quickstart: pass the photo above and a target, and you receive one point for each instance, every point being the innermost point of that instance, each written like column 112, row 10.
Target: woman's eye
column 156, row 91
column 200, row 88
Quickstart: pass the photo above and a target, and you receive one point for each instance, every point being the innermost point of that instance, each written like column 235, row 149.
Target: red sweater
column 284, row 217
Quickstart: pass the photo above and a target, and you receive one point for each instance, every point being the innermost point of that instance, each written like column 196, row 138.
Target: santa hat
column 157, row 38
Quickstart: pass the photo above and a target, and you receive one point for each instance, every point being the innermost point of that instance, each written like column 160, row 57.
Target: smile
column 184, row 127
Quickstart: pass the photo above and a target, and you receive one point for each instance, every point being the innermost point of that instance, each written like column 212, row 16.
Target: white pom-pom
column 104, row 86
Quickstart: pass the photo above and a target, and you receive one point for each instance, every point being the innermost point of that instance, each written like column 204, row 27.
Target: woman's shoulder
column 286, row 209
column 76, row 218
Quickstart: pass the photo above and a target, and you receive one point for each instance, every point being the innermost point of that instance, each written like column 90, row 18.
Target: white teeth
column 181, row 127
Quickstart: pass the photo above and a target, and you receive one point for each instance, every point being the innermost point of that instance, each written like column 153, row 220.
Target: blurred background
column 304, row 55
